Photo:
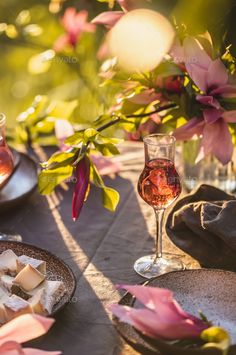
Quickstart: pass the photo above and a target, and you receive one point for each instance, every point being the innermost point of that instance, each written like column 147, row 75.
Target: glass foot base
column 148, row 267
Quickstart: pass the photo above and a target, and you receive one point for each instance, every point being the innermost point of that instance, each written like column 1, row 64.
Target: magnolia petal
column 146, row 97
column 208, row 100
column 11, row 348
column 81, row 186
column 156, row 299
column 160, row 301
column 177, row 52
column 31, row 351
column 81, row 24
column 127, row 5
column 211, row 115
column 217, row 74
column 24, row 328
column 108, row 18
column 69, row 18
column 229, row 116
column 198, row 75
column 217, row 140
column 188, row 130
column 148, row 323
column 225, row 91
column 61, row 43
column 195, row 54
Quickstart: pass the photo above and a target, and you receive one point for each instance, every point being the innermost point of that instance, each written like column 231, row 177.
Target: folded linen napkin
column 203, row 224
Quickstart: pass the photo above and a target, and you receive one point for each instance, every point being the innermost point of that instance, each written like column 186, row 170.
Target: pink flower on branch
column 212, row 79
column 75, row 23
column 160, row 317
column 110, row 18
column 21, row 330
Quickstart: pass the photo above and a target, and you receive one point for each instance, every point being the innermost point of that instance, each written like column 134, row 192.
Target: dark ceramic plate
column 21, row 184
column 56, row 268
column 208, row 290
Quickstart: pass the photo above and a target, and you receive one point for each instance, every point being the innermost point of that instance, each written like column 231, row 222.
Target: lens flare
column 140, row 39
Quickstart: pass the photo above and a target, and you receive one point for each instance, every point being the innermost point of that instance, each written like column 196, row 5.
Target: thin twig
column 141, row 115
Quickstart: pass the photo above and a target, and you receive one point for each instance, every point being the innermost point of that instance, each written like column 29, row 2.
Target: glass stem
column 159, row 221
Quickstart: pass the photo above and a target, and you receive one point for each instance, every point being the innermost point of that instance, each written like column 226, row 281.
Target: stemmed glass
column 6, row 169
column 159, row 185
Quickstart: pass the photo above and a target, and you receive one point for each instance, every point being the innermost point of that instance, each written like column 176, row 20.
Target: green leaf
column 49, row 179
column 36, row 110
column 59, row 158
column 216, row 337
column 90, row 134
column 95, row 177
column 107, row 149
column 62, row 109
column 101, row 120
column 106, row 140
column 75, row 139
column 110, row 198
column 45, row 126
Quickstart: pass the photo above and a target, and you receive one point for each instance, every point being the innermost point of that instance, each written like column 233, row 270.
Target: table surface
column 101, row 248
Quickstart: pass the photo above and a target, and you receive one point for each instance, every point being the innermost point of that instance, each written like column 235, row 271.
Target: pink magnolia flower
column 75, row 23
column 22, row 329
column 161, row 317
column 212, row 79
column 110, row 18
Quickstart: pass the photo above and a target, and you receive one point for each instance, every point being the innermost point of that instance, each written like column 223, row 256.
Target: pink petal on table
column 82, row 183
column 11, row 348
column 160, row 301
column 217, row 74
column 229, row 116
column 149, row 323
column 31, row 351
column 211, row 115
column 208, row 100
column 24, row 328
column 218, row 141
column 225, row 91
column 105, row 165
column 189, row 129
column 108, row 18
column 157, row 299
column 195, row 54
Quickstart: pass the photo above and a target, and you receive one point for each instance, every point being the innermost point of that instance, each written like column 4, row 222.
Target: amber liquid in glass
column 159, row 183
column 6, row 163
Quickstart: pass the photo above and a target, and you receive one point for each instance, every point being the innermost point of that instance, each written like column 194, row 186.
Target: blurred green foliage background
column 30, row 27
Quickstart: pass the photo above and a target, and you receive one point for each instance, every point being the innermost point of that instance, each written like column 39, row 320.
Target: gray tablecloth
column 100, row 247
